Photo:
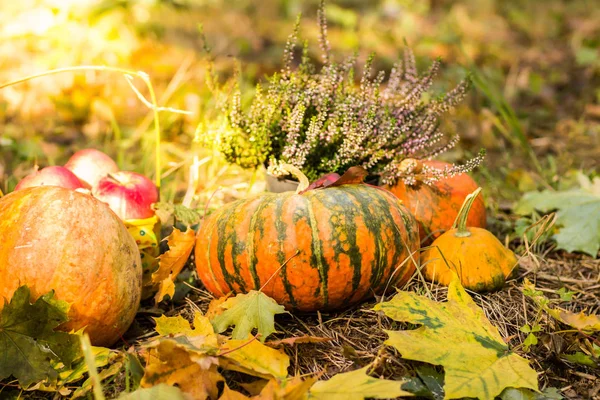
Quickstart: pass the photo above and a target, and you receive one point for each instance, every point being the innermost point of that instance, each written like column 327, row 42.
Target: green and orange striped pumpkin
column 320, row 249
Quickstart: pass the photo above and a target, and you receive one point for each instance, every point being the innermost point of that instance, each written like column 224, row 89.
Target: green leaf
column 565, row 295
column 248, row 311
column 527, row 394
column 29, row 346
column 158, row 392
column 530, row 340
column 578, row 214
column 581, row 359
column 356, row 385
column 457, row 335
column 433, row 380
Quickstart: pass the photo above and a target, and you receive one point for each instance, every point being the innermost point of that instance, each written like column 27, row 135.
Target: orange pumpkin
column 318, row 249
column 56, row 238
column 478, row 258
column 436, row 206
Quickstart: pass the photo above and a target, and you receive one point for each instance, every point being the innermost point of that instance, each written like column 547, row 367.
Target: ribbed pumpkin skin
column 321, row 250
column 56, row 238
column 436, row 206
column 481, row 261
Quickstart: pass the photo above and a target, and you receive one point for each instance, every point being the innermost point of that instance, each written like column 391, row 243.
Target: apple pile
column 129, row 194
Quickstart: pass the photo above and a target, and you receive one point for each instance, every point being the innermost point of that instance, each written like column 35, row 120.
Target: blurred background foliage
column 535, row 106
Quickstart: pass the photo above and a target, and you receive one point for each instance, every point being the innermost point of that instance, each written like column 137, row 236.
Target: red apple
column 91, row 165
column 51, row 176
column 129, row 194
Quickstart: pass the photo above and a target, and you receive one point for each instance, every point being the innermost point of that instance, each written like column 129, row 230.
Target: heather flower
column 320, row 120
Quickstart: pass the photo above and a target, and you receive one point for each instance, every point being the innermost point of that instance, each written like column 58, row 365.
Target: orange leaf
column 581, row 321
column 291, row 389
column 195, row 374
column 214, row 307
column 353, row 176
column 229, row 394
column 172, row 262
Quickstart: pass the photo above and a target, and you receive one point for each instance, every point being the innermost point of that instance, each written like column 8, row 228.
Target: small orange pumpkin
column 52, row 238
column 478, row 258
column 436, row 205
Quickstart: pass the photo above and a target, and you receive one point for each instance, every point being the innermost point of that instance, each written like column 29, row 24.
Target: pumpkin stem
column 460, row 224
column 295, row 171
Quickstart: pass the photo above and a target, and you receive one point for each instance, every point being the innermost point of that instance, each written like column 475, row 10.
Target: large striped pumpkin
column 319, row 250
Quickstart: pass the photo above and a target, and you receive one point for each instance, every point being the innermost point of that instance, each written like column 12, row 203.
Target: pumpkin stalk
column 460, row 224
column 295, row 171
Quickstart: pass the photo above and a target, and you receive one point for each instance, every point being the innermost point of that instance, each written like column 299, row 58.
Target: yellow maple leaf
column 178, row 325
column 457, row 335
column 356, row 385
column 254, row 358
column 172, row 262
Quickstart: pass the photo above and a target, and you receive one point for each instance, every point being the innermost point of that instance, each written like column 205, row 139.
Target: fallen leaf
column 457, row 335
column 178, row 325
column 229, row 394
column 248, row 311
column 254, row 358
column 67, row 376
column 578, row 212
column 28, row 343
column 188, row 367
column 88, row 384
column 298, row 340
column 289, row 389
column 254, row 388
column 214, row 307
column 581, row 358
column 356, row 385
column 158, row 392
column 172, row 262
column 580, row 321
column 528, row 394
column 324, row 181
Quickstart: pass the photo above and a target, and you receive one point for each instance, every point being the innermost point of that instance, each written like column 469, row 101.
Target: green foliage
column 578, row 214
column 248, row 311
column 29, row 345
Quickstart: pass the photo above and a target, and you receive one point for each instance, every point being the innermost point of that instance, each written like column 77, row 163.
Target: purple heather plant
column 320, row 120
